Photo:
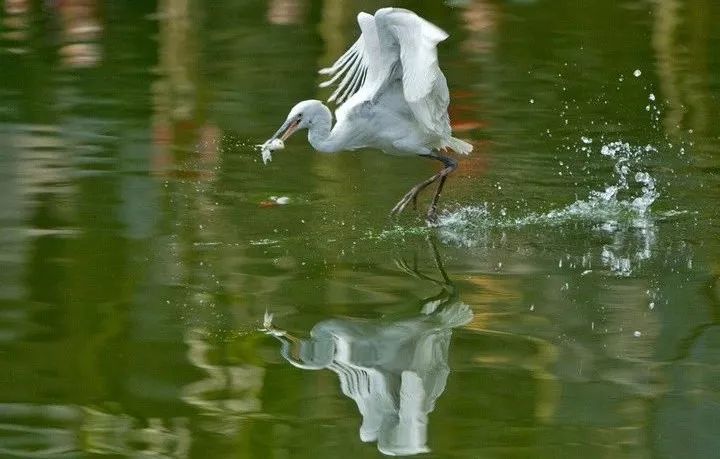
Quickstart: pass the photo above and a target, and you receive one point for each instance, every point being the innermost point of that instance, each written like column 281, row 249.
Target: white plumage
column 390, row 94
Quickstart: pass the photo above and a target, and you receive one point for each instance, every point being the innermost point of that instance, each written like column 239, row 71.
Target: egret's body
column 392, row 96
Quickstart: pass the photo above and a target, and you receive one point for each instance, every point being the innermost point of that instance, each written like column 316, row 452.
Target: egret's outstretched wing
column 424, row 84
column 352, row 67
column 364, row 66
column 395, row 43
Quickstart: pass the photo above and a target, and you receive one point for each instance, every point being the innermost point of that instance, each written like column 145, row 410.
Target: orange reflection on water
column 185, row 141
column 480, row 19
column 15, row 25
column 283, row 12
column 81, row 30
column 464, row 122
column 172, row 139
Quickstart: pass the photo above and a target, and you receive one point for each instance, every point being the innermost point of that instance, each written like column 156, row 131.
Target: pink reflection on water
column 284, row 12
column 81, row 30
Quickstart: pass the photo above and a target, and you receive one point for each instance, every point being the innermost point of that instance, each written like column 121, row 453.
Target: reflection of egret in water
column 394, row 369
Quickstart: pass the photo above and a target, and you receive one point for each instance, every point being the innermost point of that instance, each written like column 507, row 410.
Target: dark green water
column 568, row 305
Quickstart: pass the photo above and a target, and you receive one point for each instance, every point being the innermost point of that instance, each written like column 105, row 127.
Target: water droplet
column 532, row 101
column 637, row 73
column 586, row 140
column 651, row 96
column 637, row 334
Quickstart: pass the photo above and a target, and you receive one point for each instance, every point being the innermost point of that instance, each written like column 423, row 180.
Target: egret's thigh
column 409, row 146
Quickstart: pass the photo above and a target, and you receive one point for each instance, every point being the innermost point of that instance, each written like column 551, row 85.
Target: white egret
column 391, row 96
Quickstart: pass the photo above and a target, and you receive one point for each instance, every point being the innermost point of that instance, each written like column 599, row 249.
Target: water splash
column 619, row 204
column 621, row 210
column 626, row 202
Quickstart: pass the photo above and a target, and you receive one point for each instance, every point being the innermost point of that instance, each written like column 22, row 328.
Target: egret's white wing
column 351, row 67
column 424, row 84
column 395, row 43
column 364, row 66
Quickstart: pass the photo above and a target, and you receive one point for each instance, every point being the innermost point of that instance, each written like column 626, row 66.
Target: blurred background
column 567, row 306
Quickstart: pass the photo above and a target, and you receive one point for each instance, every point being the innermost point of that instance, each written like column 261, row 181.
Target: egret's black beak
column 287, row 129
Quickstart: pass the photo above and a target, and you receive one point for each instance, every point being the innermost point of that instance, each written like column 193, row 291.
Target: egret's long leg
column 412, row 194
column 450, row 165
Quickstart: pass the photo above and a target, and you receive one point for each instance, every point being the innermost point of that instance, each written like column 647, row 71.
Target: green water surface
column 568, row 305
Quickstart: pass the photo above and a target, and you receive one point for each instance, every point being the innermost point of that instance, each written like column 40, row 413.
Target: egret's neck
column 319, row 134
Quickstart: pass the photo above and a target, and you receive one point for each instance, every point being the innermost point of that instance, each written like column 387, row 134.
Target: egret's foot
column 400, row 206
column 450, row 165
column 432, row 216
column 412, row 195
column 409, row 196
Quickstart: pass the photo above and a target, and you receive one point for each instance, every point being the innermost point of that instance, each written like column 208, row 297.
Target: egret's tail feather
column 459, row 146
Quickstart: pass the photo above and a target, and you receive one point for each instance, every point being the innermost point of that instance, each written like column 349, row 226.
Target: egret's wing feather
column 379, row 59
column 351, row 72
column 395, row 43
column 364, row 67
column 340, row 67
column 342, row 59
column 424, row 84
column 351, row 67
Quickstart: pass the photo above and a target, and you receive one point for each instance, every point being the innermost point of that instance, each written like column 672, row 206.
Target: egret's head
column 301, row 116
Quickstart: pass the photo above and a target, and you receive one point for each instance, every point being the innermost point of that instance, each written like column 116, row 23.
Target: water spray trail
column 621, row 209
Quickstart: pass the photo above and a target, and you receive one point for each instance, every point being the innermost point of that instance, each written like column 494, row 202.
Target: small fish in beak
column 268, row 147
column 277, row 141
